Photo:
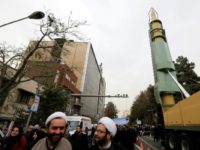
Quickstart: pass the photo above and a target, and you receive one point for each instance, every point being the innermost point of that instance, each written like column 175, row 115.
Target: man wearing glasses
column 56, row 125
column 105, row 132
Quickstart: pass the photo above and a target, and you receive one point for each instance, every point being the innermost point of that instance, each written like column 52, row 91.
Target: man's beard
column 102, row 141
column 51, row 138
column 77, row 132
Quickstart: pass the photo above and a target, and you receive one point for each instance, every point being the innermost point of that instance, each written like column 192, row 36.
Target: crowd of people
column 18, row 140
column 105, row 136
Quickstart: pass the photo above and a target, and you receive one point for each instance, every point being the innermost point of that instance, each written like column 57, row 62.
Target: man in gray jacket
column 56, row 125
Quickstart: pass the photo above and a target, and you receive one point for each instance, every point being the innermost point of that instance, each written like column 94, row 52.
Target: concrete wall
column 91, row 85
column 75, row 56
column 81, row 58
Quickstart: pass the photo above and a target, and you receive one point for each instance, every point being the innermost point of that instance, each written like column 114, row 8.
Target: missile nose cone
column 153, row 15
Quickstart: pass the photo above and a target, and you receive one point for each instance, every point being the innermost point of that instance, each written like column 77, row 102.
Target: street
column 147, row 143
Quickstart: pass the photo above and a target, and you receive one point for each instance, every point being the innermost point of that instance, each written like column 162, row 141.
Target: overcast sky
column 118, row 31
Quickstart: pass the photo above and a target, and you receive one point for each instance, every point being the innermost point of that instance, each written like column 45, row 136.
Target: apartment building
column 81, row 59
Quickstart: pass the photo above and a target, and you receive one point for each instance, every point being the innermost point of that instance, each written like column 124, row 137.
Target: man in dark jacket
column 105, row 132
column 79, row 139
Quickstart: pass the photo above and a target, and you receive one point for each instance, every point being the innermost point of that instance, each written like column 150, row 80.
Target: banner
column 120, row 121
column 35, row 105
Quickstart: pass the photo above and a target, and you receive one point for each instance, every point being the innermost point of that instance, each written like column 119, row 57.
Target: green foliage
column 52, row 99
column 144, row 107
column 111, row 110
column 93, row 119
column 186, row 75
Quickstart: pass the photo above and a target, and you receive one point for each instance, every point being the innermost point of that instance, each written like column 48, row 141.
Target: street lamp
column 34, row 15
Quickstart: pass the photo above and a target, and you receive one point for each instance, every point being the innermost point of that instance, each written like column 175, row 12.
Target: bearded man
column 105, row 132
column 79, row 139
column 56, row 125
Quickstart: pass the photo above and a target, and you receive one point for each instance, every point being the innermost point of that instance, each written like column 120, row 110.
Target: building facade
column 81, row 59
column 17, row 103
column 56, row 74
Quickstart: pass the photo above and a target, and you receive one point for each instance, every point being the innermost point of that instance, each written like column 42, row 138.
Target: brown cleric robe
column 63, row 144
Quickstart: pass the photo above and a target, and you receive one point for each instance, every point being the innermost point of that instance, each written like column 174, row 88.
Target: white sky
column 118, row 31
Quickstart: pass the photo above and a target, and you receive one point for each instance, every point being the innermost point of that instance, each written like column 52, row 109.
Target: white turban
column 56, row 115
column 109, row 124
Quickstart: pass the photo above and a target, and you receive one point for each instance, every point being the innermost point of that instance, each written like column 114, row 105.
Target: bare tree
column 50, row 28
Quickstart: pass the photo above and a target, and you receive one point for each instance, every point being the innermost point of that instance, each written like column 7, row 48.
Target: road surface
column 148, row 143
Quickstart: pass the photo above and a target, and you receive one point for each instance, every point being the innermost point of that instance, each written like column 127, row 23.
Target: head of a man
column 78, row 129
column 56, row 125
column 105, row 131
column 29, row 128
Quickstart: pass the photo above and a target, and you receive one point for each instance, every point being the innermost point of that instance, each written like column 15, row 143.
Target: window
column 24, row 97
column 67, row 77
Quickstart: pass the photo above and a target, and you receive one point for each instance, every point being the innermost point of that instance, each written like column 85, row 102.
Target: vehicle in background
column 85, row 122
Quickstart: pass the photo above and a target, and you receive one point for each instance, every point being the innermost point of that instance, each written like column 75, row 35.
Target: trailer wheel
column 186, row 143
column 171, row 142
